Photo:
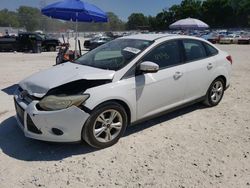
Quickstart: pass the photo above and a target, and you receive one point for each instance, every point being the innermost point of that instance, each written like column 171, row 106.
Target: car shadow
column 14, row 144
column 10, row 89
column 162, row 118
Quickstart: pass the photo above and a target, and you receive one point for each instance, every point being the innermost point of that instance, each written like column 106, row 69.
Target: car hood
column 40, row 83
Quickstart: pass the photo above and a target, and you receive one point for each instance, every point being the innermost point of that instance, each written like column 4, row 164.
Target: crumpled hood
column 40, row 83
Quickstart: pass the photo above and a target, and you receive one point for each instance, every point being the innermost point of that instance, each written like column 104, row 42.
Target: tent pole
column 76, row 36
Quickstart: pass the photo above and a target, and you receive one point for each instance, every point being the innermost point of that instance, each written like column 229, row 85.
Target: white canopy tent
column 189, row 23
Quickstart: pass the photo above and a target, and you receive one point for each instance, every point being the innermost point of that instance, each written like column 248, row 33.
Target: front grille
column 31, row 126
column 26, row 98
column 19, row 112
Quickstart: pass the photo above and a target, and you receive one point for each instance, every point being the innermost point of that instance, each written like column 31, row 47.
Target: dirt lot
column 192, row 147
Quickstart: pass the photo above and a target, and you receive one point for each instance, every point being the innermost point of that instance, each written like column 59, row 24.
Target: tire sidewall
column 87, row 133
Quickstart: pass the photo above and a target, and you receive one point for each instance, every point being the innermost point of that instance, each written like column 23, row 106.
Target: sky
column 122, row 8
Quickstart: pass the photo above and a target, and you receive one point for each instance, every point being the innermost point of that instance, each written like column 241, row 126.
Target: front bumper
column 38, row 124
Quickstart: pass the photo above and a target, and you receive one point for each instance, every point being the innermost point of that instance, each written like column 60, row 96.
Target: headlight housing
column 53, row 102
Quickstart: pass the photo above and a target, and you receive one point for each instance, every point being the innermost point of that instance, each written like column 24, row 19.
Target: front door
column 156, row 92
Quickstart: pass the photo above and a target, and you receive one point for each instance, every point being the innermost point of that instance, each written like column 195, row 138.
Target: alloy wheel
column 217, row 91
column 107, row 125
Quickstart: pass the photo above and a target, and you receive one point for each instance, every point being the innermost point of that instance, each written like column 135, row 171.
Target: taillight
column 229, row 58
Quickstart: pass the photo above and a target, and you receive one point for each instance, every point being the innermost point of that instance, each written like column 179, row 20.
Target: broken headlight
column 53, row 102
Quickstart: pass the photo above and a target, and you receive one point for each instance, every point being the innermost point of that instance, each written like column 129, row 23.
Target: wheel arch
column 219, row 76
column 223, row 78
column 123, row 104
column 84, row 133
column 223, row 72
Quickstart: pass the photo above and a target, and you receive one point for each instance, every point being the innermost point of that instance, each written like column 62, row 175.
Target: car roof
column 149, row 37
column 162, row 37
column 154, row 37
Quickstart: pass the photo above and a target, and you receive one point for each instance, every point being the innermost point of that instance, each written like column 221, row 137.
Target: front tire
column 215, row 92
column 106, row 125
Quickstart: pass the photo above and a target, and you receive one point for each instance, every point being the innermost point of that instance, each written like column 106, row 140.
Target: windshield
column 114, row 55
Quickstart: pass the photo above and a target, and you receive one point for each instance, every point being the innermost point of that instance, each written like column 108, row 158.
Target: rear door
column 199, row 67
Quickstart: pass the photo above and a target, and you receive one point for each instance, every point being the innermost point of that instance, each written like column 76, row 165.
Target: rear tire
column 106, row 125
column 215, row 92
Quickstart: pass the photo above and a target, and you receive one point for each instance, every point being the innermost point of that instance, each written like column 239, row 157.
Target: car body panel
column 40, row 83
column 223, row 67
column 70, row 122
column 198, row 77
column 122, row 90
column 169, row 91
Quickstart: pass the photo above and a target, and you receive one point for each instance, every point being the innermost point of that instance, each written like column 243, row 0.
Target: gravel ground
column 192, row 147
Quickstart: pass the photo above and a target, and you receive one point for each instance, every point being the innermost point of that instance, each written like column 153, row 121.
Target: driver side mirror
column 148, row 67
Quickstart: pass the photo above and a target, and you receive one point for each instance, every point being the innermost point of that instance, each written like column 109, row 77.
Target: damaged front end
column 59, row 115
column 69, row 94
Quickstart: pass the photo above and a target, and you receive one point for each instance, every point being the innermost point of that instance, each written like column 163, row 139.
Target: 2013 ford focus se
column 126, row 80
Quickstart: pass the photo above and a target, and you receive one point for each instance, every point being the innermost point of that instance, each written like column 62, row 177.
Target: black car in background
column 28, row 42
column 95, row 42
column 49, row 44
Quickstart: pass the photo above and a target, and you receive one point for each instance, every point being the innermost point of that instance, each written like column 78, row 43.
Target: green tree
column 137, row 20
column 152, row 21
column 190, row 8
column 8, row 18
column 29, row 17
column 164, row 19
column 113, row 24
column 175, row 10
column 187, row 8
column 218, row 13
column 243, row 13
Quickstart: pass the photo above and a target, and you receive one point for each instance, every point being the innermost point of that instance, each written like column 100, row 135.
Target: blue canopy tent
column 76, row 11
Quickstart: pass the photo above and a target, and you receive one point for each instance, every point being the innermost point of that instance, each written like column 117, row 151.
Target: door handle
column 209, row 66
column 177, row 75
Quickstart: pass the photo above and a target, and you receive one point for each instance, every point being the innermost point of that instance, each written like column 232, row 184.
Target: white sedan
column 127, row 80
column 229, row 39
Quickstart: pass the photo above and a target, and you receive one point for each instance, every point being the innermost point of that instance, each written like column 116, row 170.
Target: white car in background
column 121, row 82
column 229, row 39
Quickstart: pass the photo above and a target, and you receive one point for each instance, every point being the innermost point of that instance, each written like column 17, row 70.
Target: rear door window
column 194, row 50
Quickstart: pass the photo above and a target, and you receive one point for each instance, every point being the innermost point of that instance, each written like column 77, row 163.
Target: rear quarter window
column 211, row 51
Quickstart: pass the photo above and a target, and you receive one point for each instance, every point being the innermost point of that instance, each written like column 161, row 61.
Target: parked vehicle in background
column 95, row 42
column 8, row 43
column 211, row 37
column 122, row 82
column 28, row 42
column 229, row 39
column 49, row 44
column 245, row 39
